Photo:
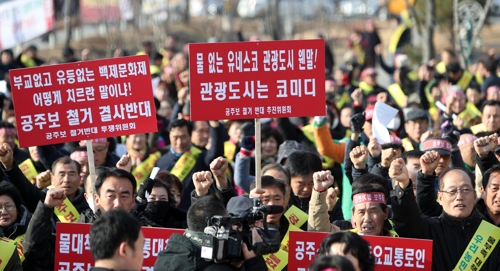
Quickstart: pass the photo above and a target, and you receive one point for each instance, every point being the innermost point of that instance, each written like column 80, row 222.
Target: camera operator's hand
column 218, row 168
column 256, row 193
column 202, row 182
column 247, row 254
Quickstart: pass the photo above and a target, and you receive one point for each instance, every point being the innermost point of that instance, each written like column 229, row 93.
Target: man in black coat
column 453, row 229
column 184, row 251
column 184, row 159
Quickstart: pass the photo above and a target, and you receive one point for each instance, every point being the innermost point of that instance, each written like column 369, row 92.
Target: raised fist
column 43, row 179
column 219, row 166
column 484, row 145
column 429, row 162
column 54, row 197
column 357, row 96
column 125, row 163
column 202, row 182
column 388, row 155
column 374, row 147
column 358, row 156
column 6, row 155
column 399, row 173
column 331, row 197
column 357, row 122
column 322, row 180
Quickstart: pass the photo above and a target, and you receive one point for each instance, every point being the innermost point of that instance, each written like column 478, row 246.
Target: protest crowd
column 430, row 171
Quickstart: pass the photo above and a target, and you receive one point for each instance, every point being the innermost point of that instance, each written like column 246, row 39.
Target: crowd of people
column 436, row 178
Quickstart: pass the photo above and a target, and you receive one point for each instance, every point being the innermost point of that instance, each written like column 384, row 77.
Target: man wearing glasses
column 453, row 229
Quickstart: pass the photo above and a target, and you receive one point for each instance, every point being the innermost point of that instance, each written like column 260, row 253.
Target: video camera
column 225, row 235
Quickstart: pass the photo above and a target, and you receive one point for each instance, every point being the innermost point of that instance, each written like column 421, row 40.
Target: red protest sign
column 391, row 254
column 83, row 100
column 265, row 79
column 73, row 246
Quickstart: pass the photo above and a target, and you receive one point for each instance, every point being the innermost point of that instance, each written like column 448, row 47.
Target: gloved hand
column 357, row 122
column 453, row 137
column 247, row 145
column 146, row 186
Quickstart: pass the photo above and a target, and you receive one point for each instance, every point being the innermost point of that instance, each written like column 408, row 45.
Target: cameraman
column 184, row 251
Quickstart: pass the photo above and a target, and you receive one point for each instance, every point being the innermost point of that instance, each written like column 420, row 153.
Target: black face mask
column 158, row 209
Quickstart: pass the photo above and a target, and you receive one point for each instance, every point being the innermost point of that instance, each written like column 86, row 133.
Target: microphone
column 271, row 209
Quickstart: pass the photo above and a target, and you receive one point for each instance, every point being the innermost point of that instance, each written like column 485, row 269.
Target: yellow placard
column 142, row 171
column 29, row 170
column 66, row 211
column 479, row 248
column 276, row 261
column 295, row 216
column 6, row 250
column 186, row 163
column 18, row 242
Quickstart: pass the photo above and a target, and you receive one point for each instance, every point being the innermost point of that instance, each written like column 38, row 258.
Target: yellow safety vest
column 360, row 53
column 441, row 67
column 395, row 37
column 343, row 99
column 27, row 62
column 18, row 242
column 186, row 163
column 66, row 211
column 469, row 113
column 367, row 89
column 29, row 170
column 143, row 170
column 413, row 75
column 229, row 149
column 478, row 128
column 465, row 80
column 407, row 144
column 398, row 94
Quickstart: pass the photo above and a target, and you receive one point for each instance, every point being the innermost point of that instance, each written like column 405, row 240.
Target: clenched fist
column 484, row 145
column 6, row 155
column 202, row 182
column 374, row 147
column 331, row 197
column 322, row 180
column 54, row 197
column 429, row 162
column 43, row 179
column 218, row 168
column 125, row 163
column 358, row 157
column 388, row 155
column 399, row 173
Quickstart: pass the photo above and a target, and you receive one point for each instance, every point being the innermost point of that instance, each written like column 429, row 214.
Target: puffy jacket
column 182, row 254
column 451, row 236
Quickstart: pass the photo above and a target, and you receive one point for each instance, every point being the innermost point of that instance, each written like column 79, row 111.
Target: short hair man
column 302, row 165
column 490, row 121
column 412, row 162
column 114, row 189
column 116, row 242
column 369, row 213
column 456, row 225
column 184, row 251
column 416, row 124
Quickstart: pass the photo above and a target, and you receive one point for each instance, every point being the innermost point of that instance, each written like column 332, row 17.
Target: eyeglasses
column 454, row 191
column 7, row 208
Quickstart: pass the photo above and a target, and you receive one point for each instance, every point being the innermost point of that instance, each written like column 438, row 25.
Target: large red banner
column 83, row 100
column 391, row 254
column 271, row 79
column 73, row 246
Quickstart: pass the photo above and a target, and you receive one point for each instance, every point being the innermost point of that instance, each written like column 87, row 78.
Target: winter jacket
column 173, row 218
column 167, row 162
column 451, row 236
column 20, row 226
column 182, row 254
column 39, row 243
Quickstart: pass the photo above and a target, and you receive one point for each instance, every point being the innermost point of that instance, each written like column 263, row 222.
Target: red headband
column 78, row 154
column 372, row 197
column 97, row 141
column 467, row 140
column 436, row 143
column 4, row 131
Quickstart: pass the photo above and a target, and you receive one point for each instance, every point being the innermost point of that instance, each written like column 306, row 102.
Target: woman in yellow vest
column 358, row 44
column 142, row 157
column 14, row 219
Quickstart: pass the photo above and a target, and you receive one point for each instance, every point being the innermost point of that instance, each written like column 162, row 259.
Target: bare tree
column 428, row 33
column 68, row 5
